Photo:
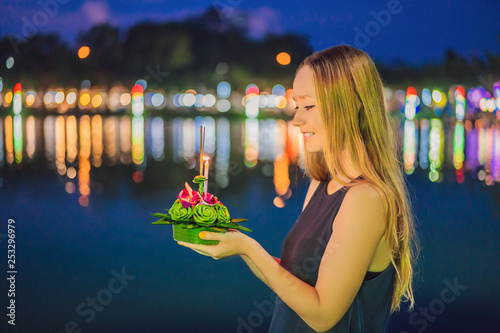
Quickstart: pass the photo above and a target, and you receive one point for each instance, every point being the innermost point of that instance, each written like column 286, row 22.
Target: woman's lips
column 308, row 135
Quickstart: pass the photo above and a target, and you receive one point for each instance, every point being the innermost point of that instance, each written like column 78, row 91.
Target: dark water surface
column 68, row 256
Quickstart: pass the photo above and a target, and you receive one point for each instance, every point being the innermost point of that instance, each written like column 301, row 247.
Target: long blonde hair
column 350, row 95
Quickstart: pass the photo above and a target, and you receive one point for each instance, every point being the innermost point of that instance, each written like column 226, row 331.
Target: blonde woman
column 347, row 263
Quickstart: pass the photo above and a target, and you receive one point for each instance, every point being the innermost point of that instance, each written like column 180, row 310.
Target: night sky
column 416, row 32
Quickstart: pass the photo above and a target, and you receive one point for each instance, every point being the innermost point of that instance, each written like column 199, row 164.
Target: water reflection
column 60, row 145
column 188, row 141
column 74, row 145
column 436, row 148
column 125, row 140
column 84, row 161
column 157, row 138
column 72, row 139
column 1, row 143
column 223, row 152
column 251, row 131
column 9, row 140
column 138, row 140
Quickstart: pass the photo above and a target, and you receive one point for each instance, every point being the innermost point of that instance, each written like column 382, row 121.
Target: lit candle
column 206, row 158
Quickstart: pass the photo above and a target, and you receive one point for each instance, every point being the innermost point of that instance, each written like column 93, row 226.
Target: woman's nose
column 297, row 119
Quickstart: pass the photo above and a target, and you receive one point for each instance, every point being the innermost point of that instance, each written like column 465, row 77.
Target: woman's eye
column 307, row 107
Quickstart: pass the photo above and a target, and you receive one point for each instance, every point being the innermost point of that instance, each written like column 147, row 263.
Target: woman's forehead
column 303, row 84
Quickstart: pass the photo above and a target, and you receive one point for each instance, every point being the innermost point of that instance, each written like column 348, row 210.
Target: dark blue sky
column 417, row 30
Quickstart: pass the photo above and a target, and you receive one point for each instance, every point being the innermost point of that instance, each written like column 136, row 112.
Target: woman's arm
column 255, row 270
column 344, row 264
column 356, row 232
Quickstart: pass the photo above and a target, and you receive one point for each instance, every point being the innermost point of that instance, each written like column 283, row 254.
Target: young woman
column 346, row 264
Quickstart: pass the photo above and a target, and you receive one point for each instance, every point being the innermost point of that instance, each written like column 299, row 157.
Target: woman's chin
column 311, row 148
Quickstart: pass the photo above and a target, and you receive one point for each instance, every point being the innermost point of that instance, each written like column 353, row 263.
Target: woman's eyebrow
column 302, row 96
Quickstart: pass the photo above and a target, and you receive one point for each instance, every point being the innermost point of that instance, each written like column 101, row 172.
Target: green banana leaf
column 167, row 219
column 165, row 222
column 233, row 226
column 238, row 220
column 165, row 216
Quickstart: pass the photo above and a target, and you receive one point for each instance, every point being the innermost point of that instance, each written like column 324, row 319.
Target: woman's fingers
column 205, row 254
column 194, row 248
column 207, row 235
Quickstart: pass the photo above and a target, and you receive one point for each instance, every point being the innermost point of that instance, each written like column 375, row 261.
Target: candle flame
column 206, row 158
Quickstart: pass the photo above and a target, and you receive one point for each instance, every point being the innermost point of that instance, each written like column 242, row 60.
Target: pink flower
column 208, row 199
column 188, row 199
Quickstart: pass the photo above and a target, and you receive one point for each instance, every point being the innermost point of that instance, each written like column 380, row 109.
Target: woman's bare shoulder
column 373, row 213
column 366, row 193
column 366, row 188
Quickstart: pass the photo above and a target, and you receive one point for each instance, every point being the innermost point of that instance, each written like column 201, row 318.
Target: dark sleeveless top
column 301, row 255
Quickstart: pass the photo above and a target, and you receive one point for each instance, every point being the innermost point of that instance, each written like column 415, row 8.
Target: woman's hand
column 231, row 243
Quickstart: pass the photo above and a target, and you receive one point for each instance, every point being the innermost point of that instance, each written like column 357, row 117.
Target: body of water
column 81, row 190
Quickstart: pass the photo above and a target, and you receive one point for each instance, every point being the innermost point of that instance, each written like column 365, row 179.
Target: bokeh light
column 199, row 101
column 17, row 99
column 83, row 52
column 436, row 96
column 223, row 105
column 84, row 99
column 188, row 99
column 279, row 202
column 96, row 100
column 157, row 99
column 30, row 98
column 208, row 100
column 125, row 99
column 71, row 173
column 138, row 176
column 221, row 68
column 85, row 84
column 223, row 90
column 137, row 100
column 9, row 62
column 48, row 98
column 71, row 98
column 283, row 58
column 59, row 97
column 143, row 84
column 252, row 89
column 8, row 97
column 70, row 187
column 426, row 97
column 278, row 90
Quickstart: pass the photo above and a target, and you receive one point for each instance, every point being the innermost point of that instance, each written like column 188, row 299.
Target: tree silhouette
column 184, row 54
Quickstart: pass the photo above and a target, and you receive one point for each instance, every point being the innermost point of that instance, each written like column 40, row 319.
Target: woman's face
column 307, row 115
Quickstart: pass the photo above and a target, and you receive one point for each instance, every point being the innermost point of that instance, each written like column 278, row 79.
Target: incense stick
column 201, row 151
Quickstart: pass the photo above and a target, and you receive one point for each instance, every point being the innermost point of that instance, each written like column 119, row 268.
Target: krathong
column 196, row 211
